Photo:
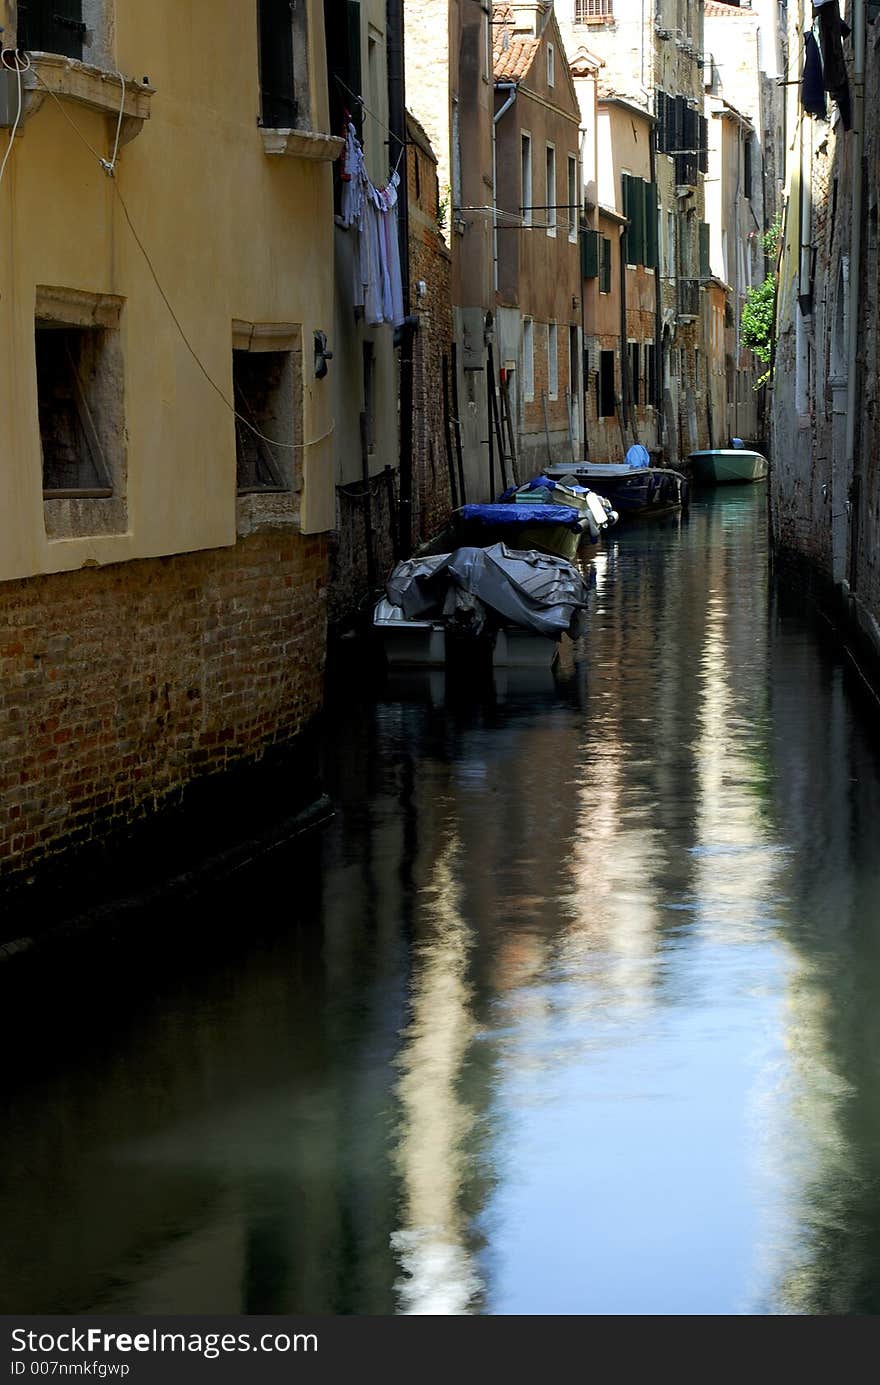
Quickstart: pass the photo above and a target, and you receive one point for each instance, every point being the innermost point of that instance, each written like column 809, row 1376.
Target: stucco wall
column 231, row 234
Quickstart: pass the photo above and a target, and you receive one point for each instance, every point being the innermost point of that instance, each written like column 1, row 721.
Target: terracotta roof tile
column 512, row 53
column 715, row 9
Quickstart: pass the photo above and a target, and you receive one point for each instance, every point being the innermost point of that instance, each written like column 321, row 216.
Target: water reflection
column 572, row 1008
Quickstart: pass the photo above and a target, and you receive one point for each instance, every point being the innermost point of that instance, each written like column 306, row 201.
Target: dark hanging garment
column 832, row 31
column 813, row 82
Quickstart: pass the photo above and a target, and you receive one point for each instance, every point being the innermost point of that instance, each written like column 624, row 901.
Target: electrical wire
column 108, row 166
column 18, row 69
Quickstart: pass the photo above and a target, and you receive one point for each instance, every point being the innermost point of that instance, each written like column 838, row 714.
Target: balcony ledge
column 301, row 144
column 93, row 87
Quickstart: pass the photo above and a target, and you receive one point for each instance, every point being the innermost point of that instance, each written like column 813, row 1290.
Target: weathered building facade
column 652, row 58
column 537, row 258
column 825, row 486
column 168, row 436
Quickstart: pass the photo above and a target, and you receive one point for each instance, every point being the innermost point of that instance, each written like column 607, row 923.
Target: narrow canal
column 573, row 1007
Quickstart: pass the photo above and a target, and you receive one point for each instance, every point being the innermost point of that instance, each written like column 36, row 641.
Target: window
column 528, row 365
column 262, row 383
column 747, row 165
column 634, row 354
column 275, row 26
column 589, row 11
column 552, row 361
column 606, row 384
column 525, row 157
column 551, row 190
column 81, row 413
column 573, row 361
column 342, row 31
column 670, row 245
column 572, row 198
column 605, row 267
column 551, row 65
column 650, row 374
column 51, row 26
column 75, row 420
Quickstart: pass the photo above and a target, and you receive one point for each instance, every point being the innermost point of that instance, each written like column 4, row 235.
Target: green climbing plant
column 756, row 323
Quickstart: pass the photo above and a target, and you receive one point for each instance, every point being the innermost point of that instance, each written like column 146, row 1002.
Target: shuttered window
column 605, row 267
column 704, row 145
column 51, row 26
column 704, row 251
column 589, row 253
column 650, row 197
column 277, row 102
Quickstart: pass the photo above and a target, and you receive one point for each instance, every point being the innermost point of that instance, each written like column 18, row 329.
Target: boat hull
column 727, row 466
column 634, row 492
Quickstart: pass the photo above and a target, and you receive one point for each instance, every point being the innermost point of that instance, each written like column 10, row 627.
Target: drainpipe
column 511, row 87
column 851, row 471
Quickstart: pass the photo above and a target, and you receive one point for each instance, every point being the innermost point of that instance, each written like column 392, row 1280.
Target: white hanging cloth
column 372, row 213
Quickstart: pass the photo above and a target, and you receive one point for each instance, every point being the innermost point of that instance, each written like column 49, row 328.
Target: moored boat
column 543, row 515
column 724, row 466
column 511, row 604
column 634, row 492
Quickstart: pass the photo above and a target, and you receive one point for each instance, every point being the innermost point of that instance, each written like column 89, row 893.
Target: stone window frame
column 93, row 80
column 76, row 515
column 302, row 140
column 262, row 510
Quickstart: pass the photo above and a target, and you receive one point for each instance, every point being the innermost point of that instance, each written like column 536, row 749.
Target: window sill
column 301, row 144
column 83, row 493
column 93, row 87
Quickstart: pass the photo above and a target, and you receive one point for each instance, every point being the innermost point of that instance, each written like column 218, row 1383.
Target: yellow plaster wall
column 231, row 232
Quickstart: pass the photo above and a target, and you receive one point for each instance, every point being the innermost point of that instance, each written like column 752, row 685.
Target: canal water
column 573, row 1007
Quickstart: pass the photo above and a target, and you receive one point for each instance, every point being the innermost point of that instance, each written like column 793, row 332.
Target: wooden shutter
column 51, row 26
column 275, row 25
column 637, row 221
column 704, row 144
column 650, row 196
column 589, row 253
column 605, row 267
column 705, row 269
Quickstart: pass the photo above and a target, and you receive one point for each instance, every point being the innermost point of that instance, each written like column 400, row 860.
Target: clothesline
column 364, row 107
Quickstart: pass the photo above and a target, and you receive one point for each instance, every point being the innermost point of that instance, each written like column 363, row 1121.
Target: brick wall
column 122, row 685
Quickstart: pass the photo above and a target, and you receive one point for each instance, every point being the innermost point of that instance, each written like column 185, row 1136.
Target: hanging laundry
column 371, row 213
column 813, row 81
column 832, row 31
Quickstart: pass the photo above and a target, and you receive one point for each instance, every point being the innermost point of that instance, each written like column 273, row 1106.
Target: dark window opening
column 607, row 403
column 747, row 166
column 605, row 267
column 634, row 353
column 277, row 103
column 78, row 406
column 262, row 383
column 650, row 373
column 51, row 26
column 342, row 30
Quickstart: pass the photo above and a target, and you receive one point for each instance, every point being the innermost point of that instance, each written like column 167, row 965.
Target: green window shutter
column 605, row 267
column 589, row 253
column 704, row 251
column 650, row 190
column 639, row 210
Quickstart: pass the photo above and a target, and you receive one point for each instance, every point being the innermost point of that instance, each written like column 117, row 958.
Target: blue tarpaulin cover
column 638, row 456
column 490, row 515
